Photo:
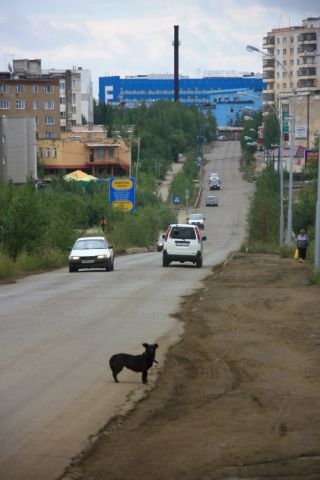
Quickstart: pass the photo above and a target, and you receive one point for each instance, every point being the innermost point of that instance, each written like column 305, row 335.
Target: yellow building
column 86, row 148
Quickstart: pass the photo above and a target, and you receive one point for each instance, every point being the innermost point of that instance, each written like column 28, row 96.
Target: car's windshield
column 183, row 232
column 88, row 244
column 196, row 216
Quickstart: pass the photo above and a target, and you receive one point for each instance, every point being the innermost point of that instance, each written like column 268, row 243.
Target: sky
column 131, row 37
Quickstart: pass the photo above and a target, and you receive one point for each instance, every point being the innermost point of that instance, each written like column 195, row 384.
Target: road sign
column 176, row 199
column 122, row 194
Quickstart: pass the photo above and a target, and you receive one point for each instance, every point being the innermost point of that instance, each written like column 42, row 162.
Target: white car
column 183, row 243
column 91, row 252
column 196, row 219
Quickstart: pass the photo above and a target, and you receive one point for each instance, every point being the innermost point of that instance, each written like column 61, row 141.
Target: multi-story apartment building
column 57, row 99
column 291, row 68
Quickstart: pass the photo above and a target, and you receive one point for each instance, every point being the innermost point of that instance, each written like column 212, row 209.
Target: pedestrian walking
column 103, row 224
column 302, row 242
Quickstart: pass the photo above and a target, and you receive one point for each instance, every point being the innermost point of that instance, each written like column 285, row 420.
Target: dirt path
column 239, row 396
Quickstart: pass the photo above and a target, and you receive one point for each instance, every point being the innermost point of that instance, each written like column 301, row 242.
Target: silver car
column 91, row 252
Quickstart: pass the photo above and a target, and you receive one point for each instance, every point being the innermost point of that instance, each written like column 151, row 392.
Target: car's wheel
column 72, row 269
column 199, row 262
column 108, row 266
column 165, row 261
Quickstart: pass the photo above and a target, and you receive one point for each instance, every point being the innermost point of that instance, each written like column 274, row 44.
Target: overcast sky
column 125, row 37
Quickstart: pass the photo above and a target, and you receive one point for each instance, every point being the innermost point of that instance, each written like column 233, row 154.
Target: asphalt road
column 57, row 331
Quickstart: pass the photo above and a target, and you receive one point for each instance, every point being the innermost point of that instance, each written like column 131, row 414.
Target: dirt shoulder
column 238, row 397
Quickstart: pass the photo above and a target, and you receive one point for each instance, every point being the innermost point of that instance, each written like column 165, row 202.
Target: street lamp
column 251, row 48
column 280, row 169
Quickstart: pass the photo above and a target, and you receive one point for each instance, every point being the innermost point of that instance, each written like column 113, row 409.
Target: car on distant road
column 91, row 252
column 212, row 201
column 160, row 242
column 222, row 138
column 215, row 183
column 196, row 219
column 183, row 243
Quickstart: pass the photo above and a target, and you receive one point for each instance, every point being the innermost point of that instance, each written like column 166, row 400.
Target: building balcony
column 307, row 84
column 306, row 50
column 307, row 37
column 268, row 42
column 268, row 64
column 268, row 98
column 307, row 61
column 307, row 72
column 267, row 76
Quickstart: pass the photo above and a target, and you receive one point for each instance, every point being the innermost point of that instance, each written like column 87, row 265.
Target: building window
column 284, row 40
column 4, row 88
column 62, row 115
column 73, row 96
column 19, row 88
column 4, row 104
column 284, row 86
column 284, row 62
column 48, row 89
column 284, row 51
column 291, row 62
column 74, row 84
column 101, row 152
column 35, row 105
column 291, row 39
column 73, row 109
column 35, row 88
column 53, row 152
column 49, row 105
column 291, row 51
column 49, row 120
column 62, row 100
column 20, row 104
column 62, row 86
column 47, row 152
column 278, row 52
column 50, row 135
column 111, row 152
column 40, row 153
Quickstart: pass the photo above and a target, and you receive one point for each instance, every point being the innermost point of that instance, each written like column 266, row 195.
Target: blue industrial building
column 133, row 91
column 230, row 104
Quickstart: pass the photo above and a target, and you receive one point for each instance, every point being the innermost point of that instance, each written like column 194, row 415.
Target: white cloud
column 135, row 36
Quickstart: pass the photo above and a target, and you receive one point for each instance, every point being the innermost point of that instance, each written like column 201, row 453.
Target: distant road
column 57, row 331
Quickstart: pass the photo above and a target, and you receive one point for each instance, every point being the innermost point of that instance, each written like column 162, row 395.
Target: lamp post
column 251, row 48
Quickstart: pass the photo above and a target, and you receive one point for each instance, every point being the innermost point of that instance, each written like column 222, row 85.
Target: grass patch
column 314, row 277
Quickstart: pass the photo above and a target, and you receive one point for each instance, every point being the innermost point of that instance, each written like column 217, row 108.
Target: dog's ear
column 156, row 345
column 145, row 345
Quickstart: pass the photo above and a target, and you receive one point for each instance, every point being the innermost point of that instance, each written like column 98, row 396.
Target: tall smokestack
column 176, row 44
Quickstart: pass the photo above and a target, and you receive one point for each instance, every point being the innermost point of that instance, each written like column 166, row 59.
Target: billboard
column 122, row 194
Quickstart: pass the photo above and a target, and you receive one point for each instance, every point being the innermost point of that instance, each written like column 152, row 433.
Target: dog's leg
column 115, row 377
column 145, row 377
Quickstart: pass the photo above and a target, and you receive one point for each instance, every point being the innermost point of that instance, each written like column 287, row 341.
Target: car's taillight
column 198, row 234
column 167, row 233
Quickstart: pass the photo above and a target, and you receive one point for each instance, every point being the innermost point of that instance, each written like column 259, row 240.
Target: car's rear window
column 183, row 232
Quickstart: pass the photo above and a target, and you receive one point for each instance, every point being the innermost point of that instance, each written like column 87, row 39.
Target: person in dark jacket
column 302, row 242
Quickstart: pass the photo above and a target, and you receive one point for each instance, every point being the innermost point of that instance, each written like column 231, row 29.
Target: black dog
column 137, row 363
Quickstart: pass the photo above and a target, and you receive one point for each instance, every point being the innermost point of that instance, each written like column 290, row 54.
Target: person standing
column 302, row 242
